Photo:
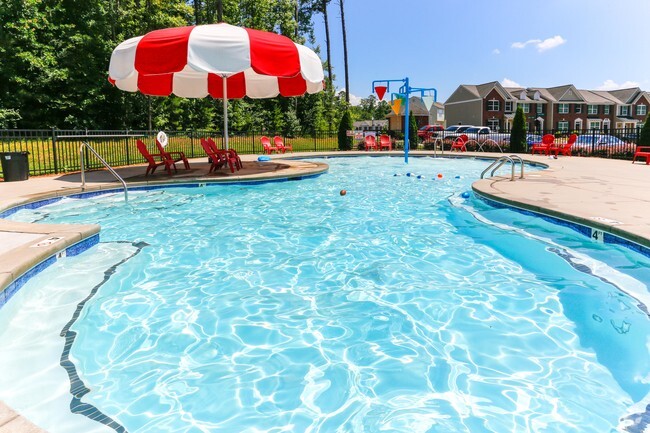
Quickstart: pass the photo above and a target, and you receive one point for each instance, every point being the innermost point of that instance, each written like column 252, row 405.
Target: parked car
column 456, row 132
column 427, row 132
column 478, row 133
column 598, row 141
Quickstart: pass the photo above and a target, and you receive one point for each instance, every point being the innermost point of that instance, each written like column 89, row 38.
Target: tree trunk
column 345, row 55
column 327, row 44
column 219, row 11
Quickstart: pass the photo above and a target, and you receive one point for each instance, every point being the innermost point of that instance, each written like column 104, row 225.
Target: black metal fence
column 53, row 151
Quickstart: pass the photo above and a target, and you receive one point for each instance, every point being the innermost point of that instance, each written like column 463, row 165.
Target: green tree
column 345, row 125
column 518, row 132
column 413, row 131
column 644, row 137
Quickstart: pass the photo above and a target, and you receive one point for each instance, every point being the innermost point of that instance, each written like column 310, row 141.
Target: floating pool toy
column 263, row 158
column 465, row 195
column 439, row 175
column 343, row 192
column 457, row 177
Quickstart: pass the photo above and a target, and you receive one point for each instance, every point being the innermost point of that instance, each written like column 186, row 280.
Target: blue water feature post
column 405, row 91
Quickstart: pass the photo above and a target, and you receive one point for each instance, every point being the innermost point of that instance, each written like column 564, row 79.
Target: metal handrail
column 110, row 169
column 496, row 164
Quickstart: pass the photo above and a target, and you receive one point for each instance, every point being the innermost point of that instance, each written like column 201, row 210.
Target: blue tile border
column 583, row 229
column 18, row 283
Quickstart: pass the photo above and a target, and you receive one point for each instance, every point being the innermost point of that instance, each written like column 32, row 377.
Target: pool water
column 401, row 306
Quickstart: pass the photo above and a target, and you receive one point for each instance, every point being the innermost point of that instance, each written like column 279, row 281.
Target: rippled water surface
column 399, row 307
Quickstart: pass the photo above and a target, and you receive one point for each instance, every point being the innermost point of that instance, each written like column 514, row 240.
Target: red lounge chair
column 545, row 146
column 280, row 146
column 642, row 152
column 217, row 160
column 226, row 155
column 385, row 143
column 153, row 164
column 266, row 144
column 460, row 143
column 370, row 142
column 176, row 156
column 564, row 149
column 232, row 154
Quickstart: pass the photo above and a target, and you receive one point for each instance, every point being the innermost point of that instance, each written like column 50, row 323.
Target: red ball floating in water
column 343, row 192
column 439, row 175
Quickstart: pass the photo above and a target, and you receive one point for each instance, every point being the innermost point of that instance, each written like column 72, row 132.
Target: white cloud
column 496, row 51
column 550, row 43
column 354, row 99
column 507, row 82
column 612, row 85
column 541, row 45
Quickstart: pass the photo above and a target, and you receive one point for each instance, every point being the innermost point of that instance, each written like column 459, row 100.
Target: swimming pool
column 401, row 306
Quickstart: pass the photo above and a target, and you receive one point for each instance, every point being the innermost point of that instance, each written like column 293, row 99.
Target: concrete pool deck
column 608, row 195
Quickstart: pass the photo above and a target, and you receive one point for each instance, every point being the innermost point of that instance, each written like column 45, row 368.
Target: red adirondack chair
column 385, row 143
column 371, row 142
column 176, row 156
column 217, row 160
column 153, row 164
column 231, row 154
column 280, row 145
column 266, row 144
column 564, row 149
column 545, row 146
column 460, row 143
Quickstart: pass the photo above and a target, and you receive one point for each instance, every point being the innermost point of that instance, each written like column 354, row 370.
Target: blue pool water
column 399, row 307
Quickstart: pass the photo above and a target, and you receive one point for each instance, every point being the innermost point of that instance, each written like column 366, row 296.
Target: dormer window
column 523, row 95
column 537, row 96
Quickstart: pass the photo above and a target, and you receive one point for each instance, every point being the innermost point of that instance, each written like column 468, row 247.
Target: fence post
column 314, row 134
column 192, row 142
column 54, row 156
column 128, row 157
column 253, row 146
column 593, row 141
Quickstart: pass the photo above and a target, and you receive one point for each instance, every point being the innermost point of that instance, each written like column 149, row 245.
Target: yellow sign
column 396, row 105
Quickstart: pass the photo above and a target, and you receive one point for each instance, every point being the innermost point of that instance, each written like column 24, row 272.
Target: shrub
column 345, row 125
column 644, row 137
column 518, row 132
column 413, row 132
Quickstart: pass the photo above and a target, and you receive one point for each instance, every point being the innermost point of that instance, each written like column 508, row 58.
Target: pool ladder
column 512, row 159
column 103, row 161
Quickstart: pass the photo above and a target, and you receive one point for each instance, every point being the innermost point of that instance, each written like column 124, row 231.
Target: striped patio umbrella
column 220, row 60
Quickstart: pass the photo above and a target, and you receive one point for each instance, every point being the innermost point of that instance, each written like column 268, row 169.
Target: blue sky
column 593, row 44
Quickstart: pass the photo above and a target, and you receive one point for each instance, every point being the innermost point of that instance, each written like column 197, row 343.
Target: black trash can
column 15, row 166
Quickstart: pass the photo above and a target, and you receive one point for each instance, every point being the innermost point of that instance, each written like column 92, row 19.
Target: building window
column 493, row 105
column 493, row 124
column 594, row 124
column 563, row 126
column 641, row 110
column 592, row 109
column 624, row 110
column 508, row 106
column 577, row 125
column 526, row 108
column 578, row 108
column 563, row 109
column 606, row 109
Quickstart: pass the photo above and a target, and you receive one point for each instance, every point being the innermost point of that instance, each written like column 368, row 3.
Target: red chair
column 545, row 146
column 176, row 156
column 216, row 159
column 385, row 143
column 266, row 144
column 460, row 143
column 232, row 154
column 153, row 164
column 230, row 158
column 280, row 146
column 370, row 142
column 642, row 152
column 564, row 149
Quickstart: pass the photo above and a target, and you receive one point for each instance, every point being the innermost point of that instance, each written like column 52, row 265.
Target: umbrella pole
column 224, row 80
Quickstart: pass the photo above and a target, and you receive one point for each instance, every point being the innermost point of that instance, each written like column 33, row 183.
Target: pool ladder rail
column 103, row 161
column 512, row 159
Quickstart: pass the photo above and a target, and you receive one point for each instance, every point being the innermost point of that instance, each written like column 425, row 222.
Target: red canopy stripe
column 162, row 51
column 273, row 54
column 156, row 85
column 236, row 86
column 295, row 86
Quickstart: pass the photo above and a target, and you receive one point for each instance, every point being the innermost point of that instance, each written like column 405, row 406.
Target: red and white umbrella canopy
column 191, row 61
